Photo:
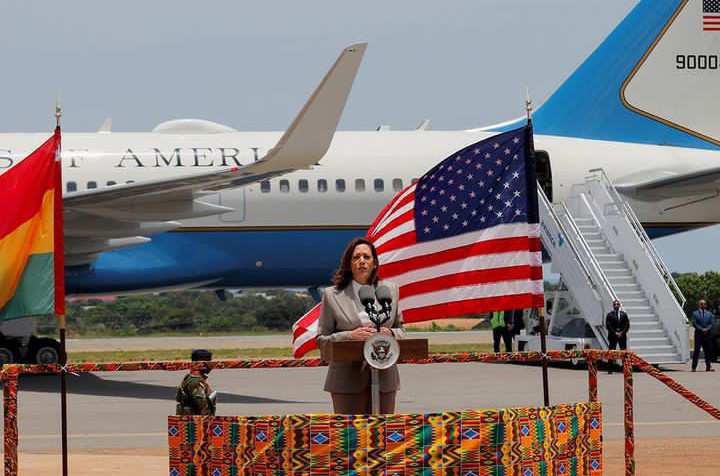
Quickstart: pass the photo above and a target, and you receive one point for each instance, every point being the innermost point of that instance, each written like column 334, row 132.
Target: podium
column 354, row 351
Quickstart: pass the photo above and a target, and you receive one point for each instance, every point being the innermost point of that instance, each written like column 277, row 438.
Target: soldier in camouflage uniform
column 194, row 394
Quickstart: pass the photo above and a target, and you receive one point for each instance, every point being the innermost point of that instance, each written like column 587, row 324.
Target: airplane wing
column 123, row 215
column 665, row 184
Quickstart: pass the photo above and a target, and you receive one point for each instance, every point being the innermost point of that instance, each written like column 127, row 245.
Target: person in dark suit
column 702, row 321
column 343, row 317
column 618, row 325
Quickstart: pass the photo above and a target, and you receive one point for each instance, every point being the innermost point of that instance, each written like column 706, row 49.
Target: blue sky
column 251, row 65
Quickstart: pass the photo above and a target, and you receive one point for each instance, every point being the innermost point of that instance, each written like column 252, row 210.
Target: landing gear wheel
column 44, row 351
column 8, row 353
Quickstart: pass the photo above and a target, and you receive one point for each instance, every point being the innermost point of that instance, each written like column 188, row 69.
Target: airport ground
column 117, row 421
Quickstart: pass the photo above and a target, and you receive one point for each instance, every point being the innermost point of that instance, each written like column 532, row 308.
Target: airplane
column 196, row 204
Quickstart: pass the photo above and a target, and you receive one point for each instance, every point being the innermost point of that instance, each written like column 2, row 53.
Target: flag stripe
column 472, row 292
column 24, row 186
column 389, row 208
column 400, row 242
column 308, row 334
column 35, row 236
column 305, row 347
column 471, row 263
column 497, row 232
column 402, row 207
column 395, row 227
column 467, row 278
column 506, row 245
column 473, row 306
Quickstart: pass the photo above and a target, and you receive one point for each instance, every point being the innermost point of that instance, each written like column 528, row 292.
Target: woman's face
column 362, row 263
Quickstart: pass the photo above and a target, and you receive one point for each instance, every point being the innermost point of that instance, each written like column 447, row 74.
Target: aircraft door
column 544, row 172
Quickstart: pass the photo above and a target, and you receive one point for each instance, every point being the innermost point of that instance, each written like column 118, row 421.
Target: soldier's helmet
column 201, row 355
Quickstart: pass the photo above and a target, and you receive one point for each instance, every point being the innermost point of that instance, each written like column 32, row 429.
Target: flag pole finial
column 528, row 103
column 58, row 112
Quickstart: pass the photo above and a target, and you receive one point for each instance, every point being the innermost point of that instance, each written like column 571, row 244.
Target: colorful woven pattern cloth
column 561, row 440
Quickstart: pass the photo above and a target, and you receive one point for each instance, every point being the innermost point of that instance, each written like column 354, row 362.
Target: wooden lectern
column 352, row 351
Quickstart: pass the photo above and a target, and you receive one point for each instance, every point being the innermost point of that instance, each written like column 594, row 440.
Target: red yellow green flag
column 31, row 235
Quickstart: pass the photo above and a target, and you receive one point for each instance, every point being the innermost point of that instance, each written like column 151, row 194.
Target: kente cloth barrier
column 561, row 440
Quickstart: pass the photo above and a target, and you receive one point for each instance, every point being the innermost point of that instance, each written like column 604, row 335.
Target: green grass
column 261, row 353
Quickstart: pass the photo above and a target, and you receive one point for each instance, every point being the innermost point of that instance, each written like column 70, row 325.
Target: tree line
column 202, row 311
column 187, row 311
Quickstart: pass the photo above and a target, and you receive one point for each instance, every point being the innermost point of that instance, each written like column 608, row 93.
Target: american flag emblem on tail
column 711, row 15
column 464, row 239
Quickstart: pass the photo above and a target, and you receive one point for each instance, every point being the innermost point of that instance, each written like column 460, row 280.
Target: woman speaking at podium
column 343, row 317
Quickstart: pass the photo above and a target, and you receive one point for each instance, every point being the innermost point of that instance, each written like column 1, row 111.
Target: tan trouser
column 359, row 403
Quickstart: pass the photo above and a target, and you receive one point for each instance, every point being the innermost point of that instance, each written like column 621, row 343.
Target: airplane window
column 303, row 185
column 111, row 182
column 397, row 184
column 340, row 185
column 265, row 186
column 284, row 186
column 71, row 186
column 359, row 185
column 92, row 184
column 379, row 184
column 130, row 181
column 414, row 180
column 322, row 185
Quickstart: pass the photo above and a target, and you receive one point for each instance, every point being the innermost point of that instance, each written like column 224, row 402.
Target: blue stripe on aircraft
column 238, row 259
column 290, row 258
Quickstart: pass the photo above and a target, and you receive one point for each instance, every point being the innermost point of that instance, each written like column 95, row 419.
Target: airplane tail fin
column 653, row 80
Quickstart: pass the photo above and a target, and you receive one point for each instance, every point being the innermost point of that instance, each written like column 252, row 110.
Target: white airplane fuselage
column 292, row 233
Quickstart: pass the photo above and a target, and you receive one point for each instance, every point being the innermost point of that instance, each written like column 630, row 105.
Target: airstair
column 602, row 252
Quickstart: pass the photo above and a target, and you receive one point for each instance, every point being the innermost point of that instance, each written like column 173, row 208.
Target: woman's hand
column 362, row 333
column 386, row 331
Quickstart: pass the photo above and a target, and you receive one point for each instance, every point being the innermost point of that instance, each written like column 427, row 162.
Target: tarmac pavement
column 246, row 342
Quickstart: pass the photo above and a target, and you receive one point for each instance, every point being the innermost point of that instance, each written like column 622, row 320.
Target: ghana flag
column 31, row 235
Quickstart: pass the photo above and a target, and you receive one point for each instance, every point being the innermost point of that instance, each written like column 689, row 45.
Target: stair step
column 645, row 333
column 639, row 342
column 643, row 349
column 630, row 294
column 662, row 358
column 619, row 273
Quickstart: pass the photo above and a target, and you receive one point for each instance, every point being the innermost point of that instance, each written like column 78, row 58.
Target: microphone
column 367, row 299
column 384, row 297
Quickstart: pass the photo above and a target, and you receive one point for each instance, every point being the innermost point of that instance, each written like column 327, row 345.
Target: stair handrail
column 560, row 225
column 644, row 238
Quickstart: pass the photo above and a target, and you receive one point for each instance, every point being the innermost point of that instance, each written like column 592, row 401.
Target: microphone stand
column 376, row 319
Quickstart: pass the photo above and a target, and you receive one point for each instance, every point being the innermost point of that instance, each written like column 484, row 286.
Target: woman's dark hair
column 343, row 275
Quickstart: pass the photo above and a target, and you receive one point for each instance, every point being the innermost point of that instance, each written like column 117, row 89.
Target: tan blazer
column 338, row 317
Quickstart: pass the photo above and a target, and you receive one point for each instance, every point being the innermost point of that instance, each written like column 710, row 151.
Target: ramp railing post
column 629, row 418
column 10, row 440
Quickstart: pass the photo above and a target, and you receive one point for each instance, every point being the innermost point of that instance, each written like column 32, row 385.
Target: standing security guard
column 702, row 321
column 194, row 395
column 618, row 325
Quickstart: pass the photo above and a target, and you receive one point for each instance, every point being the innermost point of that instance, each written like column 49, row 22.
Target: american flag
column 464, row 239
column 711, row 15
